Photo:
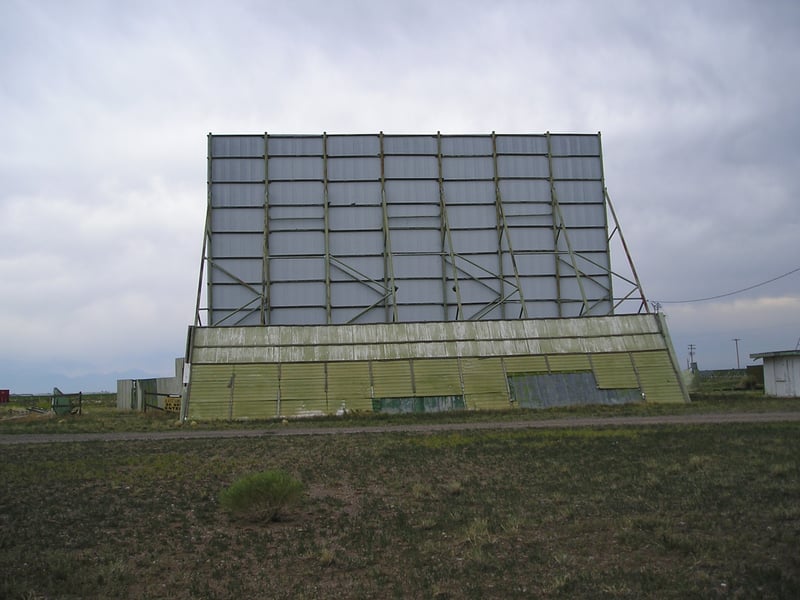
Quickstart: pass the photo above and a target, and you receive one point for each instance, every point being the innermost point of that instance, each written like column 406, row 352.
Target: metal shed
column 415, row 272
column 781, row 372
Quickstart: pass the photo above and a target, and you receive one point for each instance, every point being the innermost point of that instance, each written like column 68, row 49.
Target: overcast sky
column 105, row 108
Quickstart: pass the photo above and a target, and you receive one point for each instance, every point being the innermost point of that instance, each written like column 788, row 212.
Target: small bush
column 261, row 496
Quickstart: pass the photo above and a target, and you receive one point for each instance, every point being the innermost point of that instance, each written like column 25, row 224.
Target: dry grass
column 656, row 512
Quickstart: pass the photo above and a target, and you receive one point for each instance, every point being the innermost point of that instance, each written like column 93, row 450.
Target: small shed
column 781, row 372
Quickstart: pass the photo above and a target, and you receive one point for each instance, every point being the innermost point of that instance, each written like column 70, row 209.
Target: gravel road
column 188, row 433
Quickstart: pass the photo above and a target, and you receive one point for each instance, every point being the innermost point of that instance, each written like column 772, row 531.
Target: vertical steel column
column 447, row 239
column 560, row 226
column 388, row 263
column 556, row 230
column 204, row 267
column 502, row 225
column 326, row 228
column 265, row 275
column 500, row 218
column 605, row 225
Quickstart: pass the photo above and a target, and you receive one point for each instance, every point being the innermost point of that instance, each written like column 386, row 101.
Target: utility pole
column 692, row 348
column 737, row 340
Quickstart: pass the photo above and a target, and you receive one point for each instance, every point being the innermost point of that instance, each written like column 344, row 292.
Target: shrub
column 261, row 496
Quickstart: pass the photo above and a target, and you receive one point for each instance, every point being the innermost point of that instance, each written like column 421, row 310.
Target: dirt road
column 188, row 433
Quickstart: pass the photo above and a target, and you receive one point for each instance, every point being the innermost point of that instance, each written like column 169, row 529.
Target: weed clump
column 261, row 496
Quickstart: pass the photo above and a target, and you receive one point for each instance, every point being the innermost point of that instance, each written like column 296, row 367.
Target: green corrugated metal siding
column 322, row 367
column 569, row 363
column 348, row 383
column 658, row 379
column 437, row 377
column 614, row 371
column 210, row 392
column 302, row 388
column 484, row 383
column 525, row 364
column 255, row 391
column 392, row 379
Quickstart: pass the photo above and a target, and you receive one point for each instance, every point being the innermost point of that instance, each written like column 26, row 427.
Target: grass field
column 100, row 414
column 651, row 512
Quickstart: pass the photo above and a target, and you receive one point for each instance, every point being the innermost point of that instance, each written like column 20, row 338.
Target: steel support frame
column 387, row 289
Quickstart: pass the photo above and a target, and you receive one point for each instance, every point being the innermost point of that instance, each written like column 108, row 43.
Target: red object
column 4, row 394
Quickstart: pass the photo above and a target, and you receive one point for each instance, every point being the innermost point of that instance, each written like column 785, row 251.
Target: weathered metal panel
column 614, row 371
column 564, row 389
column 657, row 377
column 452, row 184
column 485, row 384
column 322, row 355
column 569, row 363
column 255, row 391
column 237, row 145
column 418, row 404
column 210, row 394
column 525, row 364
column 392, row 379
column 438, row 377
column 409, row 144
column 349, row 383
column 303, row 382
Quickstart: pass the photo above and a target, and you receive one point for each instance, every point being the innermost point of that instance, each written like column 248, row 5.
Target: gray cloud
column 105, row 107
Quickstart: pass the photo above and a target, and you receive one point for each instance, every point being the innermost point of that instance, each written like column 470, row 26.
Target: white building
column 781, row 372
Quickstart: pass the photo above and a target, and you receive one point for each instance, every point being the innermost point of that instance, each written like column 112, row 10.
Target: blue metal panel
column 422, row 191
column 353, row 145
column 466, row 145
column 403, row 144
column 249, row 270
column 413, row 167
column 237, row 169
column 297, row 242
column 294, row 168
column 355, row 243
column 237, row 194
column 237, row 245
column 525, row 190
column 523, row 166
column 237, row 145
column 353, row 193
column 468, row 168
column 521, row 144
column 580, row 192
column 295, row 145
column 238, row 219
column 341, row 176
column 295, row 192
column 577, row 168
column 469, row 192
column 349, row 169
column 297, row 269
column 575, row 145
column 297, row 293
column 356, row 218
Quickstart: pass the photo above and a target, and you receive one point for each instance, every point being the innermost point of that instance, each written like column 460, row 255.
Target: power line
column 752, row 287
